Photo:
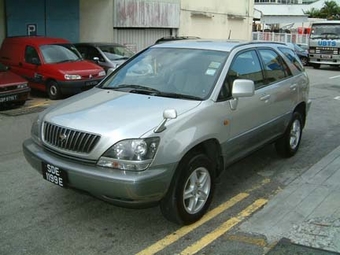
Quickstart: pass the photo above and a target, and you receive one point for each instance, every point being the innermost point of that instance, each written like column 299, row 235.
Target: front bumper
column 124, row 188
column 12, row 96
column 77, row 86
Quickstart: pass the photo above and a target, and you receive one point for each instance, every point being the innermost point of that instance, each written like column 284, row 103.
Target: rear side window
column 274, row 66
column 294, row 63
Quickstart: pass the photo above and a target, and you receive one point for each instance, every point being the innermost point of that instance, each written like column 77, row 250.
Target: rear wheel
column 289, row 144
column 192, row 190
column 304, row 61
column 53, row 90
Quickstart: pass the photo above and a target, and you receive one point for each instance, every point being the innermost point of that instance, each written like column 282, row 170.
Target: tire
column 191, row 191
column 304, row 61
column 53, row 90
column 288, row 145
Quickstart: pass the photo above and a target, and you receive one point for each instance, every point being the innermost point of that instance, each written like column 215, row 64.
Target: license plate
column 326, row 56
column 8, row 98
column 54, row 174
column 91, row 83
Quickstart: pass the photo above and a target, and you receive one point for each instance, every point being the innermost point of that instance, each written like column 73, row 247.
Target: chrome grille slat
column 69, row 139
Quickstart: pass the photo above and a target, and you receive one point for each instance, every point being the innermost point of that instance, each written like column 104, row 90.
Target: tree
column 330, row 10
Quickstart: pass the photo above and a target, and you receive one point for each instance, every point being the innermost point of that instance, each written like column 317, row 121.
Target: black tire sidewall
column 186, row 169
column 55, row 96
column 283, row 146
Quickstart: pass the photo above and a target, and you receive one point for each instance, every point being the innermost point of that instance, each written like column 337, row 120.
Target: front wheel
column 53, row 90
column 289, row 144
column 191, row 192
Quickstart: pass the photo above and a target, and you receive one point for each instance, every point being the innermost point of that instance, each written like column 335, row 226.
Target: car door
column 247, row 122
column 30, row 67
column 281, row 90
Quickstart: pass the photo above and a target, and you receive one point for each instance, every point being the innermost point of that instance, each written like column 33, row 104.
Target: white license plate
column 326, row 56
column 8, row 98
column 54, row 174
column 91, row 83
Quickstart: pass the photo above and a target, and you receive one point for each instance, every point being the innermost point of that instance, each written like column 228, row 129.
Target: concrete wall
column 219, row 19
column 2, row 21
column 96, row 21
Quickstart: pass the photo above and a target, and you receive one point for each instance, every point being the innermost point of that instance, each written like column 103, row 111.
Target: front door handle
column 265, row 97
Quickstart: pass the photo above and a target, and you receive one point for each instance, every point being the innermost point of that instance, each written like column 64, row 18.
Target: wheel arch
column 301, row 108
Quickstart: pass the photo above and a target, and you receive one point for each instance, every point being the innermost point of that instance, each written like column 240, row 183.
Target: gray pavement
column 307, row 211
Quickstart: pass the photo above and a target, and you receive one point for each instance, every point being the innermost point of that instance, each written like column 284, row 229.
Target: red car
column 50, row 64
column 13, row 88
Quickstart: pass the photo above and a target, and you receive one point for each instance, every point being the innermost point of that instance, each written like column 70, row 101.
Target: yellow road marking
column 222, row 229
column 263, row 182
column 37, row 105
column 173, row 237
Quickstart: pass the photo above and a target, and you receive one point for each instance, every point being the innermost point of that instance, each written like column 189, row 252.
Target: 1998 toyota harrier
column 164, row 125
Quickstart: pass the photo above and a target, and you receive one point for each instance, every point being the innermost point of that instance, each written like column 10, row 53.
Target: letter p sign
column 32, row 29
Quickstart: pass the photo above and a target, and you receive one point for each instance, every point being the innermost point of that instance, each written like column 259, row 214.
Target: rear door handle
column 293, row 87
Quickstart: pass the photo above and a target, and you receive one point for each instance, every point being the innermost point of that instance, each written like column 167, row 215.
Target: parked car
column 13, row 88
column 164, row 126
column 107, row 55
column 302, row 53
column 175, row 38
column 50, row 64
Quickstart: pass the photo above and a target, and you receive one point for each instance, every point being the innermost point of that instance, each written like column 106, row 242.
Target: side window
column 245, row 65
column 294, row 63
column 93, row 52
column 31, row 56
column 274, row 66
column 83, row 51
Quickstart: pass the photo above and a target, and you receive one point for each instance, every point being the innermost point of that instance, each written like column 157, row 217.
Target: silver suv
column 164, row 125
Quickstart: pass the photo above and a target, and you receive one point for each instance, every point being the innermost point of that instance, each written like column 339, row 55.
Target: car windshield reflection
column 178, row 73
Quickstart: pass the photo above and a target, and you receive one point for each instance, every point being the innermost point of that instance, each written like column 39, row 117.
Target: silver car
column 107, row 55
column 163, row 126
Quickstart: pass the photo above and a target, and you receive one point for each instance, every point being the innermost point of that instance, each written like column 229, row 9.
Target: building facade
column 135, row 23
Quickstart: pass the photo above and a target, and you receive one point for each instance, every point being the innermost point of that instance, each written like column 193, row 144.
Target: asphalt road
column 37, row 217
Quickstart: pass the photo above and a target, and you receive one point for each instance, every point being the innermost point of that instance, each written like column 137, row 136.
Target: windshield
column 59, row 53
column 328, row 31
column 116, row 52
column 170, row 72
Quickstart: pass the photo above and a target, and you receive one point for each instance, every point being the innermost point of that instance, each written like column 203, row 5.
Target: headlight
column 72, row 77
column 102, row 73
column 132, row 154
column 22, row 86
column 35, row 130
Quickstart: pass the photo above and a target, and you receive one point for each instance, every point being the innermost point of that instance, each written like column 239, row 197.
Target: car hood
column 8, row 78
column 115, row 115
column 77, row 67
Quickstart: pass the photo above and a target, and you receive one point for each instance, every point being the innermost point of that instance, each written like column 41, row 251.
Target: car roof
column 98, row 44
column 219, row 45
column 38, row 40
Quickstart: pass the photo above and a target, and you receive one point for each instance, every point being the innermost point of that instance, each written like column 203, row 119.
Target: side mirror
column 96, row 59
column 243, row 88
column 35, row 61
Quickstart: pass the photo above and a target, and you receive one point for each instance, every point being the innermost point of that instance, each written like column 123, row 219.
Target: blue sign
column 327, row 43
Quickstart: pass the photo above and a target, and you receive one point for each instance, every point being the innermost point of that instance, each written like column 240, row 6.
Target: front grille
column 8, row 88
column 69, row 139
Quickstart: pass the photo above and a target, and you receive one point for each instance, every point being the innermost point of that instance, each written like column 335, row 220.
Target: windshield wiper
column 131, row 88
column 64, row 61
column 176, row 95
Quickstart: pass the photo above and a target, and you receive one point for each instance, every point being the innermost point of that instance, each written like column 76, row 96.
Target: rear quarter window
column 293, row 60
column 275, row 67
